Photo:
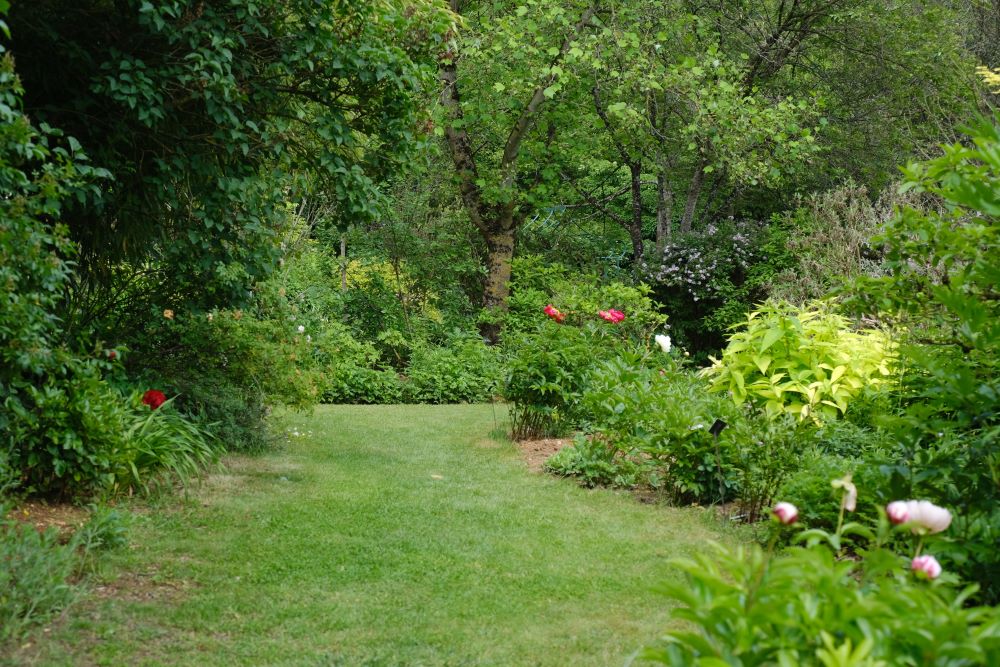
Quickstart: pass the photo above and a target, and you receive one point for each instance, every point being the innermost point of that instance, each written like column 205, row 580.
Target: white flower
column 663, row 341
column 898, row 511
column 309, row 339
column 850, row 491
column 927, row 517
column 302, row 329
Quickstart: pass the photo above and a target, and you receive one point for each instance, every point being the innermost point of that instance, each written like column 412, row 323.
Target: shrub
column 707, row 279
column 763, row 454
column 595, row 462
column 660, row 418
column 581, row 297
column 811, row 605
column 545, row 375
column 802, row 361
column 941, row 294
column 258, row 359
column 65, row 432
column 465, row 371
column 163, row 442
column 832, row 242
column 60, row 425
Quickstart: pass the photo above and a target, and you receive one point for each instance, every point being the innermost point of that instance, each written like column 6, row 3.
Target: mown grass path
column 399, row 535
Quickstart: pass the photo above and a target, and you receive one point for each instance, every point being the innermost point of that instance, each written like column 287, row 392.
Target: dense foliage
column 210, row 208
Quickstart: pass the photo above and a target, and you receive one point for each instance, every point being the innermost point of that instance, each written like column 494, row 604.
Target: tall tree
column 210, row 114
column 707, row 108
column 505, row 71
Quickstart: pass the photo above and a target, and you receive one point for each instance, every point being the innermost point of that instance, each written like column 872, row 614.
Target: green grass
column 399, row 535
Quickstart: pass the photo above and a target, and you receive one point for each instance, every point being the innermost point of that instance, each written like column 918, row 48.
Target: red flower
column 154, row 398
column 554, row 313
column 112, row 355
column 612, row 315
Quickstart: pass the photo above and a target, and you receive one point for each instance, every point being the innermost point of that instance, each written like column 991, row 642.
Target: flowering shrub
column 810, row 605
column 807, row 362
column 546, row 372
column 710, row 278
column 940, row 293
column 538, row 287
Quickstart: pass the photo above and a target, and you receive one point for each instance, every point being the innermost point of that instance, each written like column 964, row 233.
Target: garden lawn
column 382, row 535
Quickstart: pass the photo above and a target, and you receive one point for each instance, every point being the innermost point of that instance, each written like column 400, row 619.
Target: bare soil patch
column 143, row 587
column 536, row 452
column 63, row 517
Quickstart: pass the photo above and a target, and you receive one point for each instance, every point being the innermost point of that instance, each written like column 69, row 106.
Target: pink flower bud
column 898, row 512
column 787, row 513
column 928, row 565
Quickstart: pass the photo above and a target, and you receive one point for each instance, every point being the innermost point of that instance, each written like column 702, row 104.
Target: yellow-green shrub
column 806, row 361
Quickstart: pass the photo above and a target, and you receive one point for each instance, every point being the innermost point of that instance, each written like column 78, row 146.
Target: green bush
column 465, row 371
column 60, row 424
column 595, row 462
column 941, row 295
column 258, row 359
column 807, row 362
column 763, row 455
column 66, row 432
column 659, row 418
column 808, row 487
column 812, row 605
column 546, row 372
column 163, row 442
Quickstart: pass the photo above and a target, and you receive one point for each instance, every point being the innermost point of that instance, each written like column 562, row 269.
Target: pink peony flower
column 787, row 513
column 926, row 517
column 612, row 315
column 927, row 565
column 154, row 398
column 554, row 313
column 898, row 512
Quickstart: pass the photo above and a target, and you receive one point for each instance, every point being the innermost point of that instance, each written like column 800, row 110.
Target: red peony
column 554, row 313
column 154, row 398
column 612, row 315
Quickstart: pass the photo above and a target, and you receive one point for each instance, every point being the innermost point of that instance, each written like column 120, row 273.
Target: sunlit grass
column 384, row 536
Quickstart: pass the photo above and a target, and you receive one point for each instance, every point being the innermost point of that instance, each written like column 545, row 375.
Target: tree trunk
column 343, row 263
column 664, row 212
column 499, row 254
column 694, row 192
column 635, row 226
